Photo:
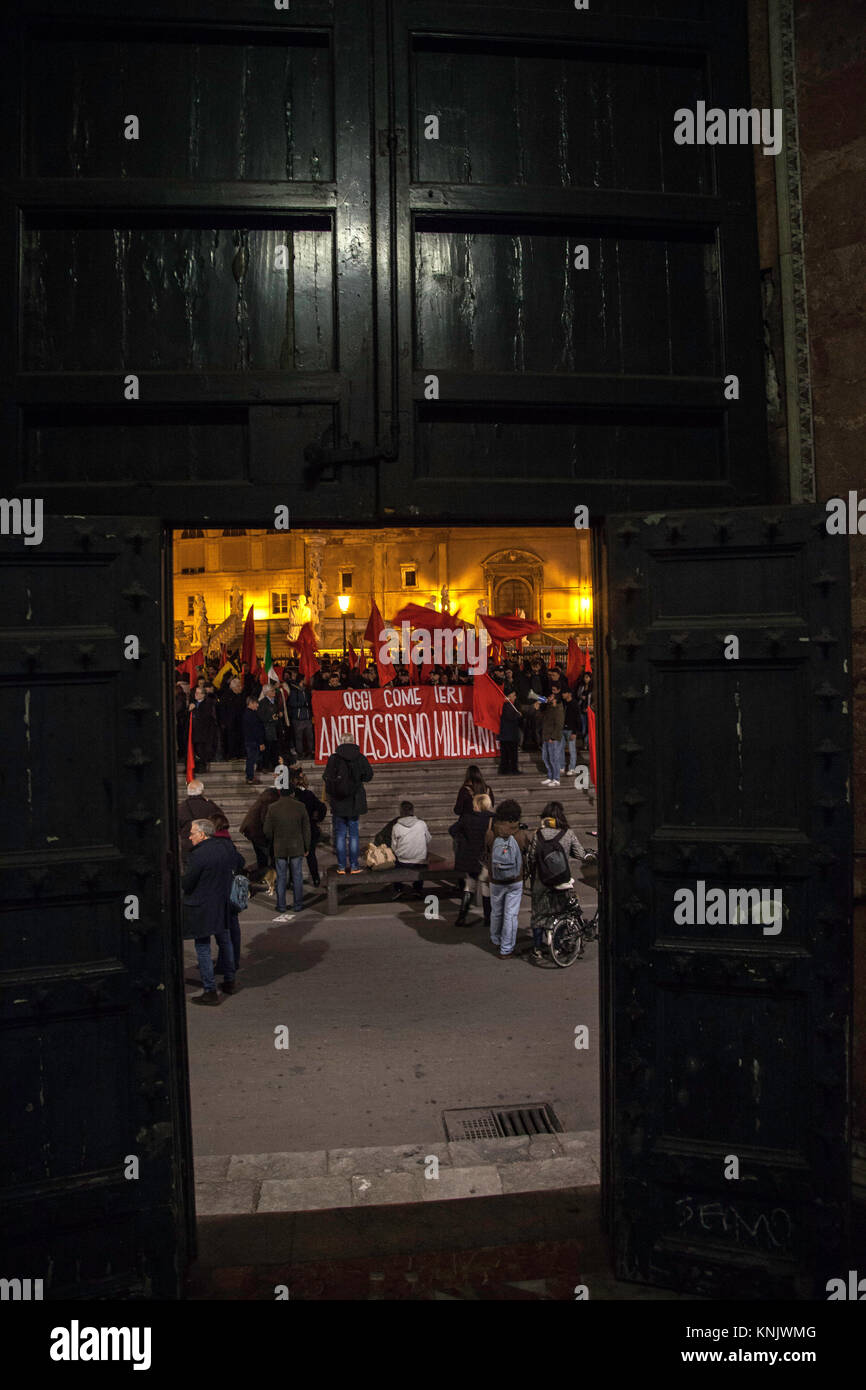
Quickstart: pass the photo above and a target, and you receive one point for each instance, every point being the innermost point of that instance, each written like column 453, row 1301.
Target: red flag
column 373, row 635
column 305, row 645
column 487, row 701
column 190, row 754
column 248, row 649
column 588, row 663
column 590, row 725
column 551, row 661
column 352, row 655
column 362, row 662
column 190, row 666
column 574, row 669
column 505, row 627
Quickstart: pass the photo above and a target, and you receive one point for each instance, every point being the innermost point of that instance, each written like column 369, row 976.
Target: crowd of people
column 271, row 727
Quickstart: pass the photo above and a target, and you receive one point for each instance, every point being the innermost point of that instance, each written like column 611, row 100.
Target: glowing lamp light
column 344, row 602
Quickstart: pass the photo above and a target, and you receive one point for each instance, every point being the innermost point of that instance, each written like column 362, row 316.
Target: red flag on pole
column 191, row 665
column 574, row 670
column 305, row 645
column 551, row 661
column 373, row 635
column 590, row 725
column 362, row 661
column 190, row 753
column 248, row 649
column 352, row 655
column 588, row 663
column 487, row 701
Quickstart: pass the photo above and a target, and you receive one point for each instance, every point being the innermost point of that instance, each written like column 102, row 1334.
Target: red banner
column 402, row 723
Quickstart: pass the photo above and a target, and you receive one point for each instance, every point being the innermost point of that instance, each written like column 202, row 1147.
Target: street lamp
column 343, row 601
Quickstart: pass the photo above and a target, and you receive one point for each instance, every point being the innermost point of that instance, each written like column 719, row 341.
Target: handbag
column 379, row 856
column 240, row 894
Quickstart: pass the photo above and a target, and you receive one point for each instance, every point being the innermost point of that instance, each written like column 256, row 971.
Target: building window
column 346, row 581
column 410, row 576
column 192, row 535
column 234, row 531
column 193, row 569
column 190, row 605
column 279, row 603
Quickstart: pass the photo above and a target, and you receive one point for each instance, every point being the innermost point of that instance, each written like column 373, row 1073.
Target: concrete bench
column 370, row 880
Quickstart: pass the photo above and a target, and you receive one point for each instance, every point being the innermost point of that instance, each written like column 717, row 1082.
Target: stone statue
column 236, row 602
column 446, row 599
column 200, row 624
column 480, row 610
column 431, row 603
column 317, row 598
column 299, row 613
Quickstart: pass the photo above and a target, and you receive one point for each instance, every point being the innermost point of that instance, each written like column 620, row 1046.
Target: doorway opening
column 380, row 1048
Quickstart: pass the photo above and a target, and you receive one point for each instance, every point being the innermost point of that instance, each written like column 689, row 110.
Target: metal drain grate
column 495, row 1122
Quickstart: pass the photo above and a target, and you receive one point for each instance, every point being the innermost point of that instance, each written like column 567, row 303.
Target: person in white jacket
column 409, row 841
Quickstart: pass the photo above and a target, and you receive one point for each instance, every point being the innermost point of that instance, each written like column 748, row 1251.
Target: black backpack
column 552, row 861
column 340, row 782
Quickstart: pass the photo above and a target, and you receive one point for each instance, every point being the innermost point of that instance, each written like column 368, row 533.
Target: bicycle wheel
column 566, row 943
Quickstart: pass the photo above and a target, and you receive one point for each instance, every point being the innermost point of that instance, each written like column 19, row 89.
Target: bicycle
column 566, row 936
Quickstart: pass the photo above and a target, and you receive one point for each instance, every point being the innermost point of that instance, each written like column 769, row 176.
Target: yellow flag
column 221, row 675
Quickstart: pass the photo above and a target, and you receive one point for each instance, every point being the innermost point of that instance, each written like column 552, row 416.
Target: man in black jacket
column 509, row 735
column 254, row 737
column 345, row 774
column 573, row 725
column 207, row 886
column 301, row 716
column 196, row 807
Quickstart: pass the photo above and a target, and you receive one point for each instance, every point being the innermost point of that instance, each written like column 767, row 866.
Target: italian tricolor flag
column 270, row 670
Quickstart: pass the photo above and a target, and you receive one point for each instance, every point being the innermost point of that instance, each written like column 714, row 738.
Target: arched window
column 234, row 531
column 192, row 535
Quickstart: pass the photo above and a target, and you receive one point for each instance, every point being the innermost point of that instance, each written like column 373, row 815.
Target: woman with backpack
column 505, row 847
column 548, row 867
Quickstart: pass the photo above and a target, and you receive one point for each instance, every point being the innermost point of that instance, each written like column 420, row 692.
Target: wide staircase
column 431, row 786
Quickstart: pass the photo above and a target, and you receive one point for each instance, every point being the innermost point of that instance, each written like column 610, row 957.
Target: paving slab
column 304, row 1194
column 549, row 1173
column 386, row 1189
column 225, row 1198
column 262, row 1167
column 454, row 1183
column 469, row 1153
column 399, row 1158
column 545, row 1146
column 211, row 1167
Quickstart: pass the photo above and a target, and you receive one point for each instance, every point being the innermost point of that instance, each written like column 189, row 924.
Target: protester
column 301, row 716
column 552, row 723
column 253, row 826
column 469, row 834
column 231, row 707
column 505, row 845
column 196, row 807
column 269, row 714
column 410, row 839
column 222, row 836
column 345, row 774
column 571, row 729
column 548, row 869
column 254, row 737
column 287, row 827
column 510, row 721
column 207, row 886
column 473, row 785
column 316, row 810
column 582, row 695
column 205, row 728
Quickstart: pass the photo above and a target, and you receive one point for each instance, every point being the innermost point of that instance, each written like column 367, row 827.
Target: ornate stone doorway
column 514, row 579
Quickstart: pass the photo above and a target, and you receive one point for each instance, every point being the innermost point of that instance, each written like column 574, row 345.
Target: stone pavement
column 242, row 1184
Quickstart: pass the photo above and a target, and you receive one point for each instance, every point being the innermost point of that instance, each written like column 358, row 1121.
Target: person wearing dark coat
column 347, row 809
column 207, row 886
column 287, row 826
column 253, row 825
column 196, row 807
column 301, row 716
column 254, row 737
column 316, row 810
column 223, row 837
column 473, row 784
column 510, row 721
column 205, row 729
column 469, row 834
column 231, row 712
column 181, row 716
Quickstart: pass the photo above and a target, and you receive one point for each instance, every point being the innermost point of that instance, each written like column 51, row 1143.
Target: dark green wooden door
column 95, row 1134
column 726, row 1041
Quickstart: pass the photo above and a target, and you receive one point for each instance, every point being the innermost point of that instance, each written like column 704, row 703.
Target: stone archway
column 514, row 579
